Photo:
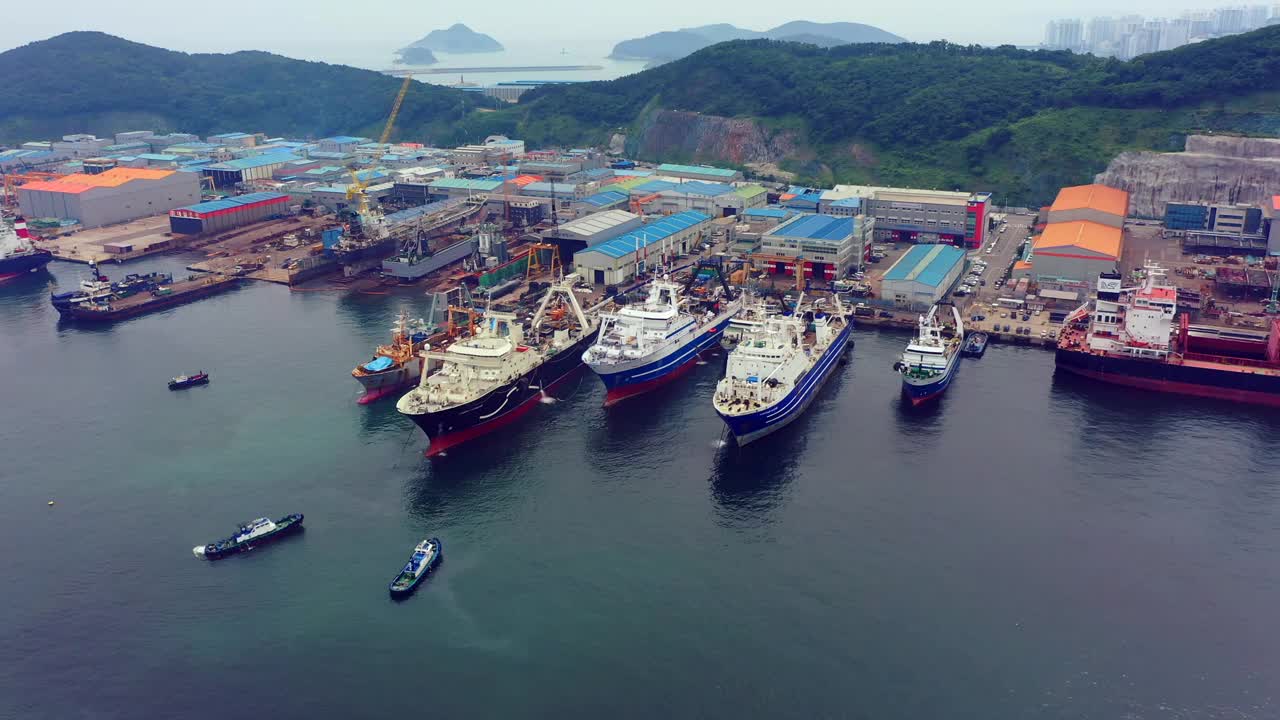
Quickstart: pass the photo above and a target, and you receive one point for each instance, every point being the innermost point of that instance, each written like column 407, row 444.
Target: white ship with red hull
column 1134, row 337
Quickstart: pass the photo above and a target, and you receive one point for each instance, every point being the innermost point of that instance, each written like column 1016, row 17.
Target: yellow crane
column 355, row 191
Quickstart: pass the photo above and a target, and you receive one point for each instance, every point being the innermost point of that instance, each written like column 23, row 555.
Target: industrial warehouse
column 1083, row 237
column 115, row 196
column 616, row 261
column 229, row 213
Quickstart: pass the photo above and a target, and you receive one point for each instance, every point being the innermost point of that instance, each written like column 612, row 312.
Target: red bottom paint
column 376, row 395
column 10, row 276
column 1181, row 388
column 444, row 442
column 617, row 395
column 918, row 401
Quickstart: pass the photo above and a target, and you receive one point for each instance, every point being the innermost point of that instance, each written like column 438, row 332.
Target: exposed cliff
column 696, row 137
column 1212, row 168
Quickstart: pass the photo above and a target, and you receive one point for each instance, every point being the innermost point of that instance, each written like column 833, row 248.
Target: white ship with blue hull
column 931, row 358
column 778, row 367
column 650, row 343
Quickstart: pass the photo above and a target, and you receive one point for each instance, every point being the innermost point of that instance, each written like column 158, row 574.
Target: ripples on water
column 1030, row 546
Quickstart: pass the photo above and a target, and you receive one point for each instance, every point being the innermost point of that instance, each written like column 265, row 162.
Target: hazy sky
column 354, row 30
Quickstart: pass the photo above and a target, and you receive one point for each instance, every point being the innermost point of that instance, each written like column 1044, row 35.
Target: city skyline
column 1129, row 36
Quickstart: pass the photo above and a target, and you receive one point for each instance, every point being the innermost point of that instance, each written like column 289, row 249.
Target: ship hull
column 389, row 382
column 628, row 380
column 377, row 251
column 153, row 304
column 1236, row 386
column 749, row 427
column 920, row 392
column 14, row 267
column 502, row 406
column 284, row 530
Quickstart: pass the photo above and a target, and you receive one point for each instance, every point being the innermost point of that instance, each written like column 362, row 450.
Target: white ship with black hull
column 500, row 373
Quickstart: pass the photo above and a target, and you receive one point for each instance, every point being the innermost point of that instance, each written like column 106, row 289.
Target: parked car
column 1006, row 328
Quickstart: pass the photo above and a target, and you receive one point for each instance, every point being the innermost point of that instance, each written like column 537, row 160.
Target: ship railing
column 1228, row 360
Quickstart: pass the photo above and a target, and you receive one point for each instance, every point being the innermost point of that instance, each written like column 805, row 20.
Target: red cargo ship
column 1128, row 337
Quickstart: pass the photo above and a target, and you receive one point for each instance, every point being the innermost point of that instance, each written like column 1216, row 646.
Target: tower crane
column 355, row 191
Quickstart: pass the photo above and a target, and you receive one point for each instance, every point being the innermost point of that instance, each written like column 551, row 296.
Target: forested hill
column 93, row 82
column 1015, row 121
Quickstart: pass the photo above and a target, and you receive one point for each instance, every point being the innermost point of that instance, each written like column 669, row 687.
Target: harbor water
column 1028, row 547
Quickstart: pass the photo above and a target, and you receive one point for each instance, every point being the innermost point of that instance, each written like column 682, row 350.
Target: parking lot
column 999, row 253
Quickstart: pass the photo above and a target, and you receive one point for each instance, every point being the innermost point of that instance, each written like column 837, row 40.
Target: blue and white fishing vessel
column 649, row 343
column 778, row 366
column 932, row 357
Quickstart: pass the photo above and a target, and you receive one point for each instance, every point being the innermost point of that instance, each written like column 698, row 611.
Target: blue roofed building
column 831, row 247
column 620, row 259
column 922, row 276
column 607, row 200
column 258, row 167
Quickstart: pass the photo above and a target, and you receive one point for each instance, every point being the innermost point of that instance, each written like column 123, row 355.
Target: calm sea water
column 1029, row 548
column 379, row 56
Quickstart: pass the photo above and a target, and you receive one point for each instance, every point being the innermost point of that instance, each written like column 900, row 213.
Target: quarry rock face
column 1212, row 168
column 709, row 138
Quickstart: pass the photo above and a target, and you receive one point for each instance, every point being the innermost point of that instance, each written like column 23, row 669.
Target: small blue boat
column 975, row 345
column 425, row 556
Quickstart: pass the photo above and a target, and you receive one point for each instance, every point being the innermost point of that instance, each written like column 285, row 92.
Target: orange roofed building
column 115, row 196
column 1084, row 237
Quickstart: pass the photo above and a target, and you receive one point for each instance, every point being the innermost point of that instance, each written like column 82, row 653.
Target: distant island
column 674, row 44
column 415, row 56
column 458, row 39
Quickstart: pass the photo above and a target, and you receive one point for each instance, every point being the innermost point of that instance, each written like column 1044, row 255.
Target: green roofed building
column 699, row 172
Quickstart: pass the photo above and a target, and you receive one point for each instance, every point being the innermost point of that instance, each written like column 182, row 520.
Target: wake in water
column 547, row 399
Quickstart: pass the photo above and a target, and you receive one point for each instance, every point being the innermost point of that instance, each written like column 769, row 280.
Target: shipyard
column 497, row 220
column 943, row 371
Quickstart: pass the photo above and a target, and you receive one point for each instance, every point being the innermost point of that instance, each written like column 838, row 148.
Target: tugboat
column 931, row 359
column 425, row 556
column 647, row 344
column 396, row 366
column 186, row 381
column 492, row 378
column 777, row 368
column 18, row 256
column 975, row 345
column 248, row 536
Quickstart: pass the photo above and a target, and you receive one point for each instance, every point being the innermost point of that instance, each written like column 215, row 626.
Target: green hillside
column 1017, row 122
column 92, row 82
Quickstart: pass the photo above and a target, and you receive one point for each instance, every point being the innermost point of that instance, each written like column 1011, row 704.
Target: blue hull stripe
column 666, row 365
column 936, row 387
column 763, row 421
